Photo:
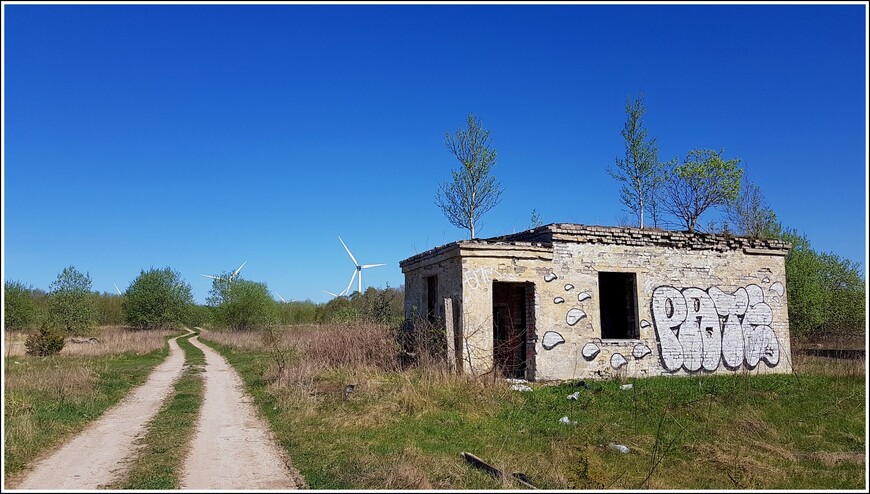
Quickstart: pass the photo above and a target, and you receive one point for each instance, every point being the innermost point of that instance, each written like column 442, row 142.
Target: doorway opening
column 513, row 316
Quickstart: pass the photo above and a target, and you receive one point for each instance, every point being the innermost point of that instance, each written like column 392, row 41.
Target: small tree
column 19, row 310
column 247, row 305
column 640, row 171
column 704, row 180
column 157, row 298
column 751, row 216
column 473, row 190
column 536, row 219
column 72, row 306
column 44, row 342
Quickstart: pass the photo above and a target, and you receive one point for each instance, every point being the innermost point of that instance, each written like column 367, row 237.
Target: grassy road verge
column 406, row 429
column 49, row 399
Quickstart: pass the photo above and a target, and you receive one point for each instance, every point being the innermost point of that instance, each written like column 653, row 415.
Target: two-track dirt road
column 232, row 447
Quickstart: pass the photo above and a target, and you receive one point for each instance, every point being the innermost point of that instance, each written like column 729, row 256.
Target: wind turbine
column 231, row 277
column 357, row 271
column 118, row 289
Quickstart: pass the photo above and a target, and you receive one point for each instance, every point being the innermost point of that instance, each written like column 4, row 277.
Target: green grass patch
column 159, row 461
column 49, row 399
column 406, row 430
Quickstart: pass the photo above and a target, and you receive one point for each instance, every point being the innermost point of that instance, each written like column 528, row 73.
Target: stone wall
column 705, row 303
column 680, row 294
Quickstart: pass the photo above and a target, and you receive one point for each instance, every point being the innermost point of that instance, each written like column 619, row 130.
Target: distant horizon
column 201, row 136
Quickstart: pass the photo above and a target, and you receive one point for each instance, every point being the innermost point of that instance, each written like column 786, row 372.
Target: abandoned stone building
column 567, row 301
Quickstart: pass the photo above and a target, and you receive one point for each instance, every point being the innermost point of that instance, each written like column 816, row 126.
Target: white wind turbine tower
column 357, row 271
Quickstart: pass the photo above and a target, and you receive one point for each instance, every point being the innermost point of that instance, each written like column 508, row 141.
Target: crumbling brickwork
column 704, row 303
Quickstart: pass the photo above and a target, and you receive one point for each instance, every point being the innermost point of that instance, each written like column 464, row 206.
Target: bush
column 157, row 298
column 45, row 341
column 246, row 305
column 826, row 293
column 109, row 309
column 20, row 310
column 199, row 315
column 72, row 306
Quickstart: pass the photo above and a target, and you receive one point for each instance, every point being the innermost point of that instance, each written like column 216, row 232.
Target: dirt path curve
column 233, row 448
column 96, row 456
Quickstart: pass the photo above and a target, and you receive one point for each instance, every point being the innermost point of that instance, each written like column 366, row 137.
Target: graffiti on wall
column 476, row 278
column 698, row 329
column 551, row 339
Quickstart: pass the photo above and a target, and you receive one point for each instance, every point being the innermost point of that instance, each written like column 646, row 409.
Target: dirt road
column 96, row 456
column 233, row 448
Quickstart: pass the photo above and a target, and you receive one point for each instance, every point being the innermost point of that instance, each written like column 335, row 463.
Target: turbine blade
column 333, row 294
column 348, row 252
column 279, row 296
column 210, row 276
column 345, row 291
column 236, row 272
column 371, row 265
column 116, row 288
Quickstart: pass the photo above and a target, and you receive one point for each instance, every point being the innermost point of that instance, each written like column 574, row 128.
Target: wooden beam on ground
column 519, row 478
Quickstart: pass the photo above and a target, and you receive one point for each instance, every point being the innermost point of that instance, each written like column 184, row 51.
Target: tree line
column 160, row 298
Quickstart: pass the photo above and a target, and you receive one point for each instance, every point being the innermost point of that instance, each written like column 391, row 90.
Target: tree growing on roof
column 640, row 171
column 704, row 180
column 473, row 189
column 751, row 215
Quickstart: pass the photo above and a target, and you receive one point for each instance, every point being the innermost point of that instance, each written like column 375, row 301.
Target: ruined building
column 566, row 301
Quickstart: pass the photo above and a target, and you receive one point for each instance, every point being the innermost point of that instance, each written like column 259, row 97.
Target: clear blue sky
column 199, row 137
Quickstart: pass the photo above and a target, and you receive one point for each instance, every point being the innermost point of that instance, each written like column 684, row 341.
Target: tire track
column 233, row 448
column 97, row 456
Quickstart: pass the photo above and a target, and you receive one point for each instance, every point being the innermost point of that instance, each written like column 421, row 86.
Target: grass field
column 49, row 399
column 405, row 429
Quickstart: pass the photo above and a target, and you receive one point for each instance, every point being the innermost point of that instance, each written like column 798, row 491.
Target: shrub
column 246, row 305
column 20, row 310
column 157, row 298
column 72, row 306
column 826, row 293
column 109, row 309
column 45, row 341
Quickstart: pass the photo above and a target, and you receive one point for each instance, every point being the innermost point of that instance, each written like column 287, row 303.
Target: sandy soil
column 233, row 448
column 96, row 457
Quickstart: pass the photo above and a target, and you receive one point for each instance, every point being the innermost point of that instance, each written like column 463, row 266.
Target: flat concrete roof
column 537, row 241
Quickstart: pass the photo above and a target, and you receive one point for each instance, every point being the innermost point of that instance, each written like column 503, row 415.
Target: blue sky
column 199, row 137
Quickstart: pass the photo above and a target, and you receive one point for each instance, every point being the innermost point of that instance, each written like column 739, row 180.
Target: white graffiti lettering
column 476, row 278
column 697, row 329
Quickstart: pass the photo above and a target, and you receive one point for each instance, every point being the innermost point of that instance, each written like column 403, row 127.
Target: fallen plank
column 519, row 478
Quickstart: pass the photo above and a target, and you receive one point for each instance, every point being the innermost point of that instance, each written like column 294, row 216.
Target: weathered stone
column 711, row 264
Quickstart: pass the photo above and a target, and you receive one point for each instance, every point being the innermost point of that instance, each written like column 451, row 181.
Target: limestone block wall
column 416, row 289
column 699, row 311
column 705, row 303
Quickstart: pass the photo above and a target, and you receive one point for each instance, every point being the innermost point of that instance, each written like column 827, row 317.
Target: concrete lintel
column 764, row 252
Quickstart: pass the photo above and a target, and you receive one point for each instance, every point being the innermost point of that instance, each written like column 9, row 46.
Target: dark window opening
column 513, row 317
column 618, row 295
column 432, row 299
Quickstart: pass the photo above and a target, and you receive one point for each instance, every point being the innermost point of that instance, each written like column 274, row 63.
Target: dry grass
column 827, row 366
column 13, row 343
column 49, row 381
column 109, row 340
